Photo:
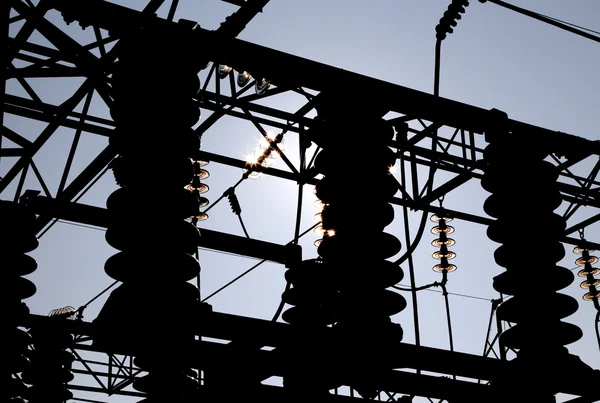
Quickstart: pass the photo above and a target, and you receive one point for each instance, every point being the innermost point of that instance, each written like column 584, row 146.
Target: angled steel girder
column 4, row 60
column 33, row 148
column 289, row 71
column 297, row 72
column 83, row 59
column 87, row 65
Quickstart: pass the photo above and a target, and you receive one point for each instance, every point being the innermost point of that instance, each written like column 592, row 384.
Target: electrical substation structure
column 156, row 339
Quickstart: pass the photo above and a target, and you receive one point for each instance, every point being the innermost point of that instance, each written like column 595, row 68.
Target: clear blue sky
column 495, row 59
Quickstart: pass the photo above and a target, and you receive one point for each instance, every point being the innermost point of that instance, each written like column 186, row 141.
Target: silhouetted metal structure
column 337, row 305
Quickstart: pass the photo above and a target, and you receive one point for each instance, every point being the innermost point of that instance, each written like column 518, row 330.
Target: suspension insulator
column 152, row 312
column 223, row 70
column 243, row 78
column 523, row 188
column 442, row 229
column 262, row 85
column 361, row 274
column 51, row 364
column 18, row 238
column 589, row 272
column 197, row 188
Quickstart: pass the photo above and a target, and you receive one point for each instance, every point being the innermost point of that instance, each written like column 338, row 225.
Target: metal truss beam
column 266, row 333
column 463, row 165
column 289, row 71
column 84, row 59
column 44, row 112
column 79, row 183
column 34, row 147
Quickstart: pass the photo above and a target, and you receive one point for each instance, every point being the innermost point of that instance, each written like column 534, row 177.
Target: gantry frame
column 434, row 133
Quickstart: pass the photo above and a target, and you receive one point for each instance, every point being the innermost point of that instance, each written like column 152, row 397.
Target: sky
column 495, row 58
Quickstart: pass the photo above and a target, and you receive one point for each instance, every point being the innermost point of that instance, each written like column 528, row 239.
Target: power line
column 255, row 266
column 81, row 225
column 227, row 253
column 597, row 323
column 263, row 261
column 570, row 24
column 235, row 279
column 454, row 293
column 85, row 400
column 82, row 308
column 463, row 295
column 549, row 20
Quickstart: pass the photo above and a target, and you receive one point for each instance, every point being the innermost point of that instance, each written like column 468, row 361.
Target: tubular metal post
column 411, row 270
column 499, row 329
column 450, row 339
column 5, row 10
column 300, row 186
column 198, row 276
column 597, row 323
column 445, row 293
column 109, row 381
column 299, row 212
column 436, row 79
column 487, row 347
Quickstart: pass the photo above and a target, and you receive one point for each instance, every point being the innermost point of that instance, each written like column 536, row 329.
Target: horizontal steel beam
column 430, row 386
column 229, row 327
column 42, row 116
column 215, row 240
column 50, row 110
